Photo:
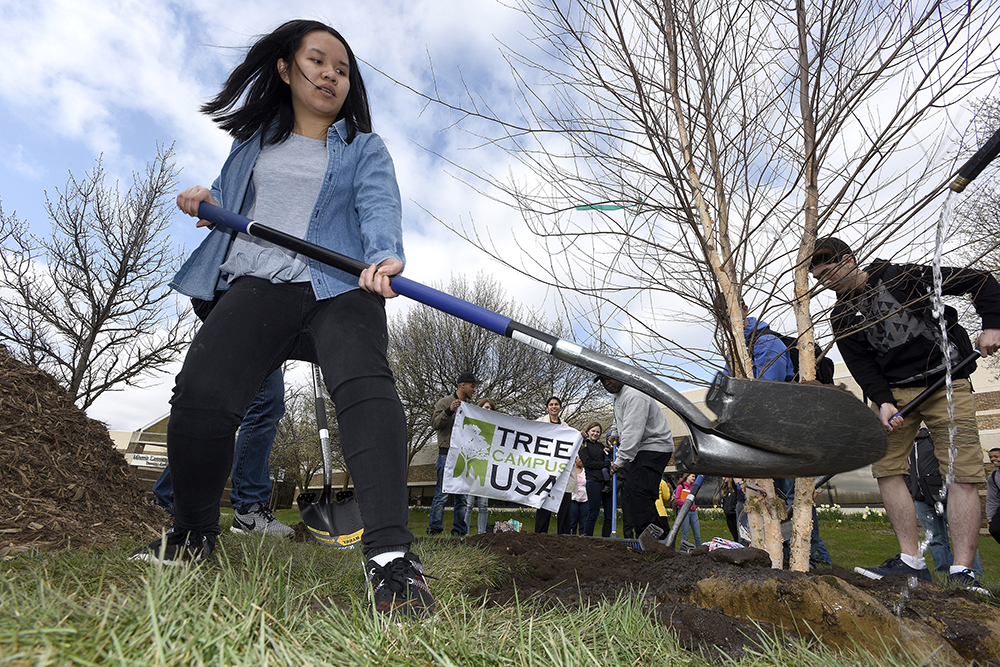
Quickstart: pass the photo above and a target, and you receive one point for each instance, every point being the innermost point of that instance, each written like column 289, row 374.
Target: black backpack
column 824, row 365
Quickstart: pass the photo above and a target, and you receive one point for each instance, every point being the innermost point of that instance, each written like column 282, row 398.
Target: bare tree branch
column 89, row 303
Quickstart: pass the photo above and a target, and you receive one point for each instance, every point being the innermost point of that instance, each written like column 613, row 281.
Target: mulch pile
column 64, row 484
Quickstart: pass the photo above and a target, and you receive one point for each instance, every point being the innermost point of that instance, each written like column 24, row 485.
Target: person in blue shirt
column 771, row 360
column 304, row 158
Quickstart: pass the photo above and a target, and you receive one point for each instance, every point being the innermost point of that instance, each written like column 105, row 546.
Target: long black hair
column 256, row 97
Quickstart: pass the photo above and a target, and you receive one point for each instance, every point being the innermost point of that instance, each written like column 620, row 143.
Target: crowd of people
column 305, row 159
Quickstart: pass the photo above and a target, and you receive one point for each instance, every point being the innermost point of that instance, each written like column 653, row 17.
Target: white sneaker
column 258, row 519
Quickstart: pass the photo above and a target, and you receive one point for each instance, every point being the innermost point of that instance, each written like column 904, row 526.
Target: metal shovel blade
column 708, row 453
column 851, row 436
column 782, row 417
column 335, row 523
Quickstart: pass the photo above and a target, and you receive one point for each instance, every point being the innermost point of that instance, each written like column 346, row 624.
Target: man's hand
column 455, row 404
column 886, row 413
column 988, row 342
column 615, row 468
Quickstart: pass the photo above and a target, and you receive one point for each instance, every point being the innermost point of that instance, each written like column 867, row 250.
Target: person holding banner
column 442, row 421
column 514, row 460
column 553, row 407
column 481, row 501
column 645, row 447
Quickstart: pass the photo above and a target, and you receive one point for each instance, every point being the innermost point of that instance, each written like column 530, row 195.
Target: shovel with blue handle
column 809, row 431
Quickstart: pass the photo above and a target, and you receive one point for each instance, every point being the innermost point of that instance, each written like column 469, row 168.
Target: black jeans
column 596, row 498
column 643, row 488
column 255, row 327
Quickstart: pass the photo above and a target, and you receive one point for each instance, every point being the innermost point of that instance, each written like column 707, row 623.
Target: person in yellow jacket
column 666, row 495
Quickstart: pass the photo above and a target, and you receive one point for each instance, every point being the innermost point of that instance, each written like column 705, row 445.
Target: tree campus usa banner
column 506, row 458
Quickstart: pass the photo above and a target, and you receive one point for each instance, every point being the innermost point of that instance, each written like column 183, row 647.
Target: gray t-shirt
column 287, row 179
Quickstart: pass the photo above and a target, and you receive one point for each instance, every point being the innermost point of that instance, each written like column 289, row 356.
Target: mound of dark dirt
column 725, row 602
column 64, row 484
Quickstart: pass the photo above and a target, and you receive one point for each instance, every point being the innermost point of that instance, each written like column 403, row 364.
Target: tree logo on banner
column 473, row 466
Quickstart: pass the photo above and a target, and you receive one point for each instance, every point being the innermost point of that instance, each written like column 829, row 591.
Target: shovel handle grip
column 935, row 386
column 975, row 164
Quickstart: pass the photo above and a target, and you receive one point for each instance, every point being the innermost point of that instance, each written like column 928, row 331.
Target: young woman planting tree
column 305, row 160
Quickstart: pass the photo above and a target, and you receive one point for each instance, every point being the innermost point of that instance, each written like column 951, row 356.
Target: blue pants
column 817, row 550
column 459, row 527
column 937, row 526
column 482, row 502
column 691, row 519
column 578, row 515
column 251, row 479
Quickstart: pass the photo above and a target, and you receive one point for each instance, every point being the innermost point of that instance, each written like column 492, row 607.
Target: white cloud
column 17, row 159
column 116, row 78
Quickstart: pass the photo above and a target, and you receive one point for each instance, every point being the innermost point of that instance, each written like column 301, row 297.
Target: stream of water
column 944, row 222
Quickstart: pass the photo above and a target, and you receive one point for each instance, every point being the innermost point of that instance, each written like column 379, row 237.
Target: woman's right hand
column 189, row 200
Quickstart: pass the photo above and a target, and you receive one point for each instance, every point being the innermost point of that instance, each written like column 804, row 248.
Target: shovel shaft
column 561, row 349
column 614, row 495
column 935, row 386
column 324, row 431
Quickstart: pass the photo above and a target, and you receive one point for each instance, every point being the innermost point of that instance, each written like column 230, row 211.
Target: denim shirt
column 358, row 213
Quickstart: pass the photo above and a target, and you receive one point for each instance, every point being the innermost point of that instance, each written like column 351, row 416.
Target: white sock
column 955, row 569
column 387, row 557
column 916, row 562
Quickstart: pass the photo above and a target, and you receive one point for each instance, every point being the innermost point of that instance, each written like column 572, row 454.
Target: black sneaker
column 259, row 519
column 891, row 567
column 967, row 579
column 399, row 588
column 179, row 549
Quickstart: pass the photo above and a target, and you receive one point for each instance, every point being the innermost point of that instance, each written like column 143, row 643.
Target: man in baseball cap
column 442, row 421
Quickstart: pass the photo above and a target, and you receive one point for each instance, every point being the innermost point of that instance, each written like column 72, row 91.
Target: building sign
column 148, row 460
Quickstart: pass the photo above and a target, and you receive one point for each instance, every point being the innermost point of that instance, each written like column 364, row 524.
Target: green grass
column 272, row 602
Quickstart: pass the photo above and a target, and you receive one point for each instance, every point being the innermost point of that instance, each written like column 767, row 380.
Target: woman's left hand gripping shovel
column 765, row 429
column 335, row 523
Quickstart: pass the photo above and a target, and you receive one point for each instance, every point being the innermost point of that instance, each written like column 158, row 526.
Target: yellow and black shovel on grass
column 334, row 520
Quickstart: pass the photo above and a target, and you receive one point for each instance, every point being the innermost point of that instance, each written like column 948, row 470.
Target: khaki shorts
column 934, row 415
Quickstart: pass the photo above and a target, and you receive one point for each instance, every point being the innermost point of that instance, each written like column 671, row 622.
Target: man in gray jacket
column 442, row 421
column 644, row 449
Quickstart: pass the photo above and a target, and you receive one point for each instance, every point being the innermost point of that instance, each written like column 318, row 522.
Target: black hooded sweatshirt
column 888, row 335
